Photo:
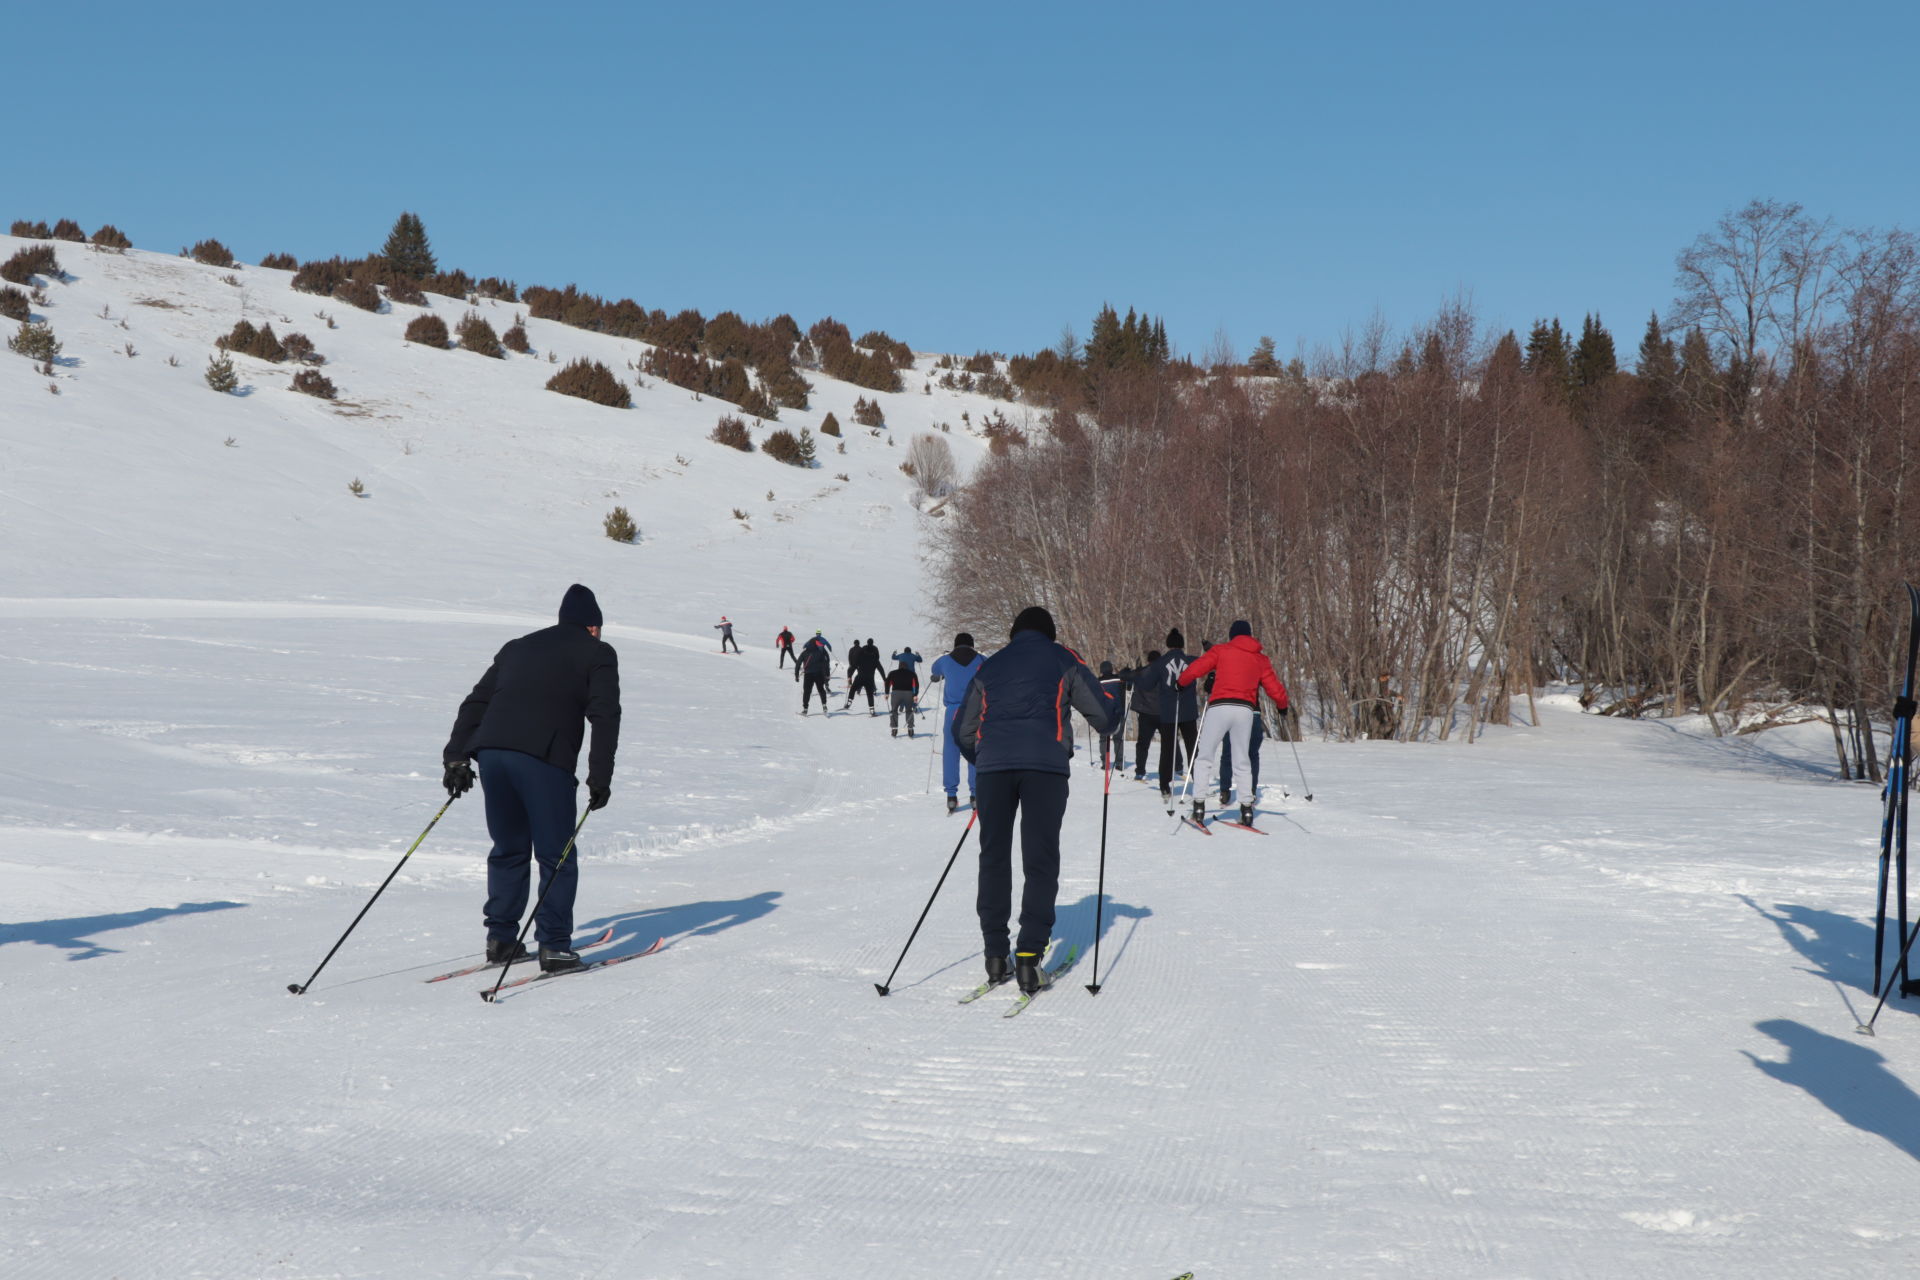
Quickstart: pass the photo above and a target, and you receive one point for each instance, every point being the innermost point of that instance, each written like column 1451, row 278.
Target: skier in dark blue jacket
column 1012, row 727
column 524, row 723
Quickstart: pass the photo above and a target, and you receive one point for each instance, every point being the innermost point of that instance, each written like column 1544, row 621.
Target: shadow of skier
column 688, row 920
column 1848, row 1078
column 71, row 933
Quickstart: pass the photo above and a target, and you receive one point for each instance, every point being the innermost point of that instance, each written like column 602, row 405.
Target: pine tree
column 407, row 251
column 1264, row 362
column 1593, row 357
column 1548, row 358
column 1104, row 346
column 220, row 375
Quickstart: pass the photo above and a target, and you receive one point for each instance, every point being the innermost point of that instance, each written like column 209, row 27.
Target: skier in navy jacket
column 524, row 723
column 1012, row 727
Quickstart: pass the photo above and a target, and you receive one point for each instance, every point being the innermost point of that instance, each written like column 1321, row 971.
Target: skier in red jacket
column 1240, row 671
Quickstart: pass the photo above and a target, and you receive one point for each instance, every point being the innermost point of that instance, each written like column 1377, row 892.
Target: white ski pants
column 1233, row 723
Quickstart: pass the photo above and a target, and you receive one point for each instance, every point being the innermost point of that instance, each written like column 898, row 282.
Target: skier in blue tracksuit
column 909, row 659
column 955, row 670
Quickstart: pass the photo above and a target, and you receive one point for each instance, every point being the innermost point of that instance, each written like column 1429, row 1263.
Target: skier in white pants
column 1240, row 671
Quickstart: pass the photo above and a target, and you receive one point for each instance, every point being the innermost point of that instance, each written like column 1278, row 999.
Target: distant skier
column 1179, row 710
column 1241, row 672
column 815, row 639
column 863, row 668
column 524, row 723
column 784, row 643
column 1146, row 713
column 903, row 692
column 955, row 670
column 910, row 659
column 1113, row 740
column 816, row 662
column 1011, row 726
column 725, row 629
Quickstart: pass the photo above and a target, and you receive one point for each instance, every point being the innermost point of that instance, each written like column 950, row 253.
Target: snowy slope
column 1575, row 1001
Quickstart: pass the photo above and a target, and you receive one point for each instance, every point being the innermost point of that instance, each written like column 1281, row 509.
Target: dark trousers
column 786, row 651
column 530, row 813
column 1188, row 731
column 726, row 640
column 1148, row 725
column 807, row 687
column 856, row 682
column 902, row 700
column 1253, row 757
column 1041, row 800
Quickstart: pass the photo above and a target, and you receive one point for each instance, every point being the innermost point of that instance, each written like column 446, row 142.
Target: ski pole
column 1100, row 893
column 553, row 875
column 1304, row 784
column 300, row 988
column 932, row 751
column 885, row 987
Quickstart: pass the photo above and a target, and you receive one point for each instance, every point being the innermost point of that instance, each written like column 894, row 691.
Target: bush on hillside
column 477, row 336
column 877, row 341
column 299, row 346
column 868, row 413
column 281, row 262
column 795, row 451
column 211, row 253
column 358, row 293
column 220, row 375
column 428, row 330
column 267, row 347
column 732, row 432
column 29, row 230
column 830, row 426
column 407, row 291
column 515, row 339
column 784, row 384
column 590, row 380
column 322, row 276
column 68, row 229
column 620, row 526
column 24, row 265
column 449, row 284
column 757, row 403
column 36, row 342
column 248, row 341
column 498, row 289
column 13, row 304
column 239, row 338
column 314, row 383
column 111, row 237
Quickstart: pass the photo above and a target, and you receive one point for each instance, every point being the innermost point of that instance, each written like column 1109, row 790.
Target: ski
column 982, row 989
column 1201, row 827
column 600, row 941
column 1047, row 976
column 591, row 965
column 1240, row 826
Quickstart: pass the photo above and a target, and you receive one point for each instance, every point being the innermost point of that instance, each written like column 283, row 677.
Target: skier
column 1011, row 726
column 1241, row 671
column 903, row 692
column 816, row 660
column 815, row 639
column 725, row 629
column 524, row 723
column 784, row 643
column 863, row 667
column 911, row 659
column 955, row 669
column 1146, row 713
column 1114, row 685
column 1179, row 710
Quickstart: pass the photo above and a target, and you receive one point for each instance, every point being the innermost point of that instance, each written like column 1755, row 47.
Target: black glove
column 598, row 793
column 459, row 778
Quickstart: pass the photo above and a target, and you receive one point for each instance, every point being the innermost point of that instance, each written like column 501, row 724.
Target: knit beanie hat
column 1175, row 640
column 1106, row 668
column 1240, row 628
column 579, row 607
column 1033, row 618
column 963, row 641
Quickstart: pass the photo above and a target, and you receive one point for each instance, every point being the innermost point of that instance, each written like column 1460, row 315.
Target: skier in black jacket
column 816, row 667
column 1179, row 710
column 903, row 693
column 524, row 722
column 863, row 667
column 1146, row 713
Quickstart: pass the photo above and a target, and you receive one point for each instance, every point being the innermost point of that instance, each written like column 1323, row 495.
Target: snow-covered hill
column 1575, row 1001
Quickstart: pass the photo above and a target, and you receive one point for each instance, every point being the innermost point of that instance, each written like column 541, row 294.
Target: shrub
column 355, row 488
column 590, row 380
column 732, row 432
column 877, row 341
column 36, row 342
column 449, row 284
column 477, row 336
column 868, row 413
column 515, row 339
column 281, row 262
column 23, row 266
column 620, row 526
column 299, row 346
column 322, row 276
column 13, row 304
column 220, row 375
column 498, row 289
column 358, row 293
column 429, row 331
column 784, row 384
column 111, row 237
column 407, row 291
column 30, row 230
column 980, row 362
column 314, row 383
column 239, row 338
column 68, row 229
column 830, row 426
column 756, row 403
column 267, row 347
column 249, row 341
column 211, row 253
column 930, row 462
column 795, row 451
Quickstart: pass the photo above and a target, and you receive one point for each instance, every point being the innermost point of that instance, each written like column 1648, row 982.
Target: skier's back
column 954, row 671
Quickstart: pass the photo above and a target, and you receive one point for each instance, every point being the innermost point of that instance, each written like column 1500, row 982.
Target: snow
column 1576, row 1000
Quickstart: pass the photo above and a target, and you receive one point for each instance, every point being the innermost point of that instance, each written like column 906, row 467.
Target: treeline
column 1425, row 530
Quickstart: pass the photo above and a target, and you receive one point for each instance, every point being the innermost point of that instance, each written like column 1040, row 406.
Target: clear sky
column 981, row 175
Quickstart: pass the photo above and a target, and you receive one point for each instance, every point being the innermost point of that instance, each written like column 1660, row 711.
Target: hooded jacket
column 1240, row 670
column 1014, row 715
column 956, row 670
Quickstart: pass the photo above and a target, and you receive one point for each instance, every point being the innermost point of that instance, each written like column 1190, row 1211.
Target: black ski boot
column 1199, row 811
column 952, row 804
column 1026, row 971
column 999, row 969
column 1246, row 815
column 505, row 950
column 1166, row 798
column 560, row 960
column 1225, row 798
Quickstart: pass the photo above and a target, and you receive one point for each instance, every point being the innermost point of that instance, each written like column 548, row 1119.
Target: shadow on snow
column 688, row 920
column 1848, row 1078
column 73, row 933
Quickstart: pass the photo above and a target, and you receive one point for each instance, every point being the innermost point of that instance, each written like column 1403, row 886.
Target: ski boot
column 559, row 959
column 1026, row 971
column 505, row 950
column 1225, row 798
column 1199, row 812
column 999, row 969
column 896, row 731
column 1246, row 815
column 952, row 804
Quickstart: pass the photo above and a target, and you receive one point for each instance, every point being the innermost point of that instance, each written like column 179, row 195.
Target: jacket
column 903, row 680
column 1014, row 715
column 1177, row 704
column 816, row 661
column 538, row 697
column 956, row 669
column 1240, row 670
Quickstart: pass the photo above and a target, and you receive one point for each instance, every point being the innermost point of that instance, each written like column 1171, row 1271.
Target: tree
column 1593, row 358
column 931, row 463
column 220, row 375
column 407, row 252
column 1264, row 361
column 1548, row 359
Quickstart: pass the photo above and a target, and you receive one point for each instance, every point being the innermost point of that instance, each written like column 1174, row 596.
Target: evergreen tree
column 407, row 252
column 1548, row 358
column 1104, row 346
column 1593, row 357
column 1264, row 361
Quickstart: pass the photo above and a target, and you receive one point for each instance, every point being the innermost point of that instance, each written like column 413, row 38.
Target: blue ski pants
column 530, row 813
column 950, row 756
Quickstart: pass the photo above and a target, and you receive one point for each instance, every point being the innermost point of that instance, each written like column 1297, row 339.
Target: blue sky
column 982, row 175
